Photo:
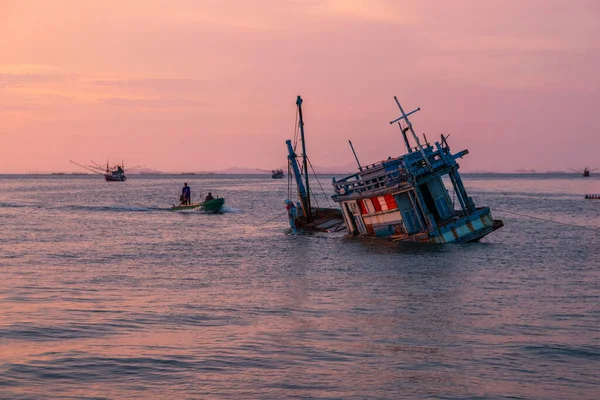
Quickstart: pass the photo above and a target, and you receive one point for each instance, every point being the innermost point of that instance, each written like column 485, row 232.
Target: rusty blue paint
column 418, row 174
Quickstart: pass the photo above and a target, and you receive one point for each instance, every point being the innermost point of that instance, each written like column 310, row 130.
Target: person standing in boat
column 186, row 194
column 291, row 210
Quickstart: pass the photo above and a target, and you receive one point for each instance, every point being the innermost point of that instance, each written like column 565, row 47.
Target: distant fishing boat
column 277, row 174
column 585, row 173
column 309, row 218
column 114, row 173
column 405, row 198
column 210, row 206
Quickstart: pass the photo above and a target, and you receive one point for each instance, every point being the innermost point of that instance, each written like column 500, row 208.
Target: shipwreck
column 407, row 198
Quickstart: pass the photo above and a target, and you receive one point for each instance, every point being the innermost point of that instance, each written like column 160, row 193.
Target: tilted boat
column 309, row 218
column 210, row 206
column 405, row 198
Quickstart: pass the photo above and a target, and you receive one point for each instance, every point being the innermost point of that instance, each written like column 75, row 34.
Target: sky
column 203, row 85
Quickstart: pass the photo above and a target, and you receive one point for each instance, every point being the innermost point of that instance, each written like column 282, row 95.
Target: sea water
column 105, row 294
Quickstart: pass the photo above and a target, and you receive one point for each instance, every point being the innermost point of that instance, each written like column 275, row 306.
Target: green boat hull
column 213, row 206
column 185, row 207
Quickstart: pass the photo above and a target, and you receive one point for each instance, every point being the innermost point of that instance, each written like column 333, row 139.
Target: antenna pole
column 355, row 157
column 408, row 149
column 415, row 137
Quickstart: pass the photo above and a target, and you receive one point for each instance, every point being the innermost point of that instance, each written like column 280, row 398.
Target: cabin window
column 362, row 207
column 367, row 207
column 376, row 203
column 390, row 202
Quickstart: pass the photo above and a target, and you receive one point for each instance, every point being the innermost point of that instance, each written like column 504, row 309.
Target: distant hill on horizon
column 336, row 170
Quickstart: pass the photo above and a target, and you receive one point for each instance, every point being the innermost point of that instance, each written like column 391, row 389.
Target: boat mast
column 306, row 201
column 292, row 158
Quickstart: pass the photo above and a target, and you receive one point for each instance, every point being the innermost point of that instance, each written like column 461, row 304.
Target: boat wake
column 115, row 208
column 227, row 210
column 111, row 208
column 13, row 205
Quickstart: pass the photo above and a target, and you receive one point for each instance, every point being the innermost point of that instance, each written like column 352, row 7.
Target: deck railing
column 392, row 172
column 377, row 179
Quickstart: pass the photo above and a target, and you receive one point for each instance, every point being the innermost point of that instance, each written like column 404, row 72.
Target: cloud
column 153, row 102
column 367, row 10
column 156, row 84
column 19, row 80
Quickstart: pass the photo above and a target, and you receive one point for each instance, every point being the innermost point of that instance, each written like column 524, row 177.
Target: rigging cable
column 280, row 216
column 296, row 129
column 319, row 182
column 550, row 220
column 289, row 161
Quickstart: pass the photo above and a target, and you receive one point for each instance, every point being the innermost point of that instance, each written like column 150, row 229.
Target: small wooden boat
column 210, row 206
column 277, row 174
column 213, row 206
column 182, row 207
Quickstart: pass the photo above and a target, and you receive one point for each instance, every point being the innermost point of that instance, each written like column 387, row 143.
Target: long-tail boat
column 405, row 198
column 210, row 206
column 309, row 218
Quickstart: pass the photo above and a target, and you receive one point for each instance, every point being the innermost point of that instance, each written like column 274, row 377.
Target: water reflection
column 110, row 304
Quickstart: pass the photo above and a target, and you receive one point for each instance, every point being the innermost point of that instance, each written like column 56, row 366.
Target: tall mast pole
column 307, row 208
column 355, row 157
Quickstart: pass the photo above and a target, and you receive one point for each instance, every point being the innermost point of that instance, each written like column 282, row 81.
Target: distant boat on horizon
column 114, row 173
column 277, row 174
column 585, row 173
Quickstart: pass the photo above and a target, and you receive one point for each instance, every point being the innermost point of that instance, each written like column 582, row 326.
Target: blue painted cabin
column 406, row 198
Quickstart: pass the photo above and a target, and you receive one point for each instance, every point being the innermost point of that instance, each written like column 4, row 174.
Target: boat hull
column 185, row 207
column 213, row 206
column 115, row 178
column 323, row 220
column 470, row 228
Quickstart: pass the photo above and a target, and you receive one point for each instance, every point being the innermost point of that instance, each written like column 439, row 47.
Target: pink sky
column 193, row 85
